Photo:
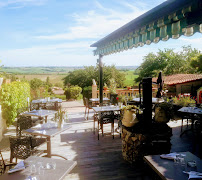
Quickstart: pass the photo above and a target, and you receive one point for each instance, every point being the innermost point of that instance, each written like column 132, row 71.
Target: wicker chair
column 34, row 106
column 95, row 118
column 20, row 147
column 23, row 123
column 88, row 107
column 105, row 118
column 188, row 117
column 3, row 165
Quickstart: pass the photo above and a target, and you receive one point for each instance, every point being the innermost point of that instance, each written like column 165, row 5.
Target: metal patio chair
column 105, row 118
column 4, row 165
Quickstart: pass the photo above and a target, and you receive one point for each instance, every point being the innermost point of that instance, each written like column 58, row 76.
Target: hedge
column 13, row 97
column 73, row 92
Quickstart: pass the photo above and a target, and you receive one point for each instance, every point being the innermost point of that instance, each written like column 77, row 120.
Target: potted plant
column 130, row 115
column 112, row 91
column 128, row 87
column 164, row 112
column 62, row 116
column 105, row 87
column 183, row 101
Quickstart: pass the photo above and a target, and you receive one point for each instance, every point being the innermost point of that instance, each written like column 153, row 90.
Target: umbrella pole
column 100, row 79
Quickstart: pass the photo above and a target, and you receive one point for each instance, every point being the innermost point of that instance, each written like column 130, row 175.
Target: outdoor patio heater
column 146, row 105
column 147, row 99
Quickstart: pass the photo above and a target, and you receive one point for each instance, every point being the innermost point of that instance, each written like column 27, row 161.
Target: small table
column 167, row 170
column 154, row 100
column 40, row 113
column 62, row 169
column 106, row 108
column 191, row 111
column 47, row 130
column 45, row 101
column 95, row 101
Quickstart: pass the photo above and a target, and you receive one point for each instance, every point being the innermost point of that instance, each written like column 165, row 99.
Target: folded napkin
column 193, row 175
column 169, row 156
column 41, row 132
column 31, row 178
column 18, row 167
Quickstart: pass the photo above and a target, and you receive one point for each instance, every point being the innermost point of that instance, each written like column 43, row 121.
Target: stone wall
column 132, row 145
column 154, row 139
column 2, row 125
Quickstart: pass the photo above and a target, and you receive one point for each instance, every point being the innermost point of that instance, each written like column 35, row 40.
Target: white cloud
column 94, row 25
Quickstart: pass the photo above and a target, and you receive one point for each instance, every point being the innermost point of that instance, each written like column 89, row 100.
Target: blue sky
column 60, row 32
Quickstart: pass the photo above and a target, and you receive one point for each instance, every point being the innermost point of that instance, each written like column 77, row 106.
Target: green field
column 38, row 70
column 54, row 78
column 130, row 76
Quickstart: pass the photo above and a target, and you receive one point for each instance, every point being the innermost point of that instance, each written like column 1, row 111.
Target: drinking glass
column 182, row 162
column 192, row 165
column 51, row 165
column 40, row 169
column 33, row 168
column 177, row 160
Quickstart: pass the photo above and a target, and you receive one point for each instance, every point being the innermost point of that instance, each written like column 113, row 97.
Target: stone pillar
column 94, row 91
column 2, row 125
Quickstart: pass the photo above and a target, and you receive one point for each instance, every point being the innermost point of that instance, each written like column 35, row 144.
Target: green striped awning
column 171, row 19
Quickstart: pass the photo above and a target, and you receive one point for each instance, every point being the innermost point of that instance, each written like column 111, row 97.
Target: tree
column 48, row 83
column 169, row 62
column 83, row 77
column 36, row 83
column 196, row 63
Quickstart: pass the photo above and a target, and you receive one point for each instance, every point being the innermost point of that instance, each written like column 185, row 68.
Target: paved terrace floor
column 101, row 159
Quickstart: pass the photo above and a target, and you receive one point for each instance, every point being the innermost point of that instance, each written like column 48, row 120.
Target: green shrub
column 73, row 92
column 13, row 97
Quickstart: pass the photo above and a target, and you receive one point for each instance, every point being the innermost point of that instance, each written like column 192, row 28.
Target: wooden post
column 100, row 79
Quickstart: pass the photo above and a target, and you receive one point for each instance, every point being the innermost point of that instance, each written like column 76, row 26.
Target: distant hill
column 51, row 69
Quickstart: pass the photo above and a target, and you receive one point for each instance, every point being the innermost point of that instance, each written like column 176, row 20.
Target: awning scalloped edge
column 134, row 40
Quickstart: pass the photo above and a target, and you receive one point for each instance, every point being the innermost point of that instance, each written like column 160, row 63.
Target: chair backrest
column 20, row 147
column 34, row 106
column 87, row 103
column 50, row 106
column 2, row 164
column 23, row 122
column 107, row 117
